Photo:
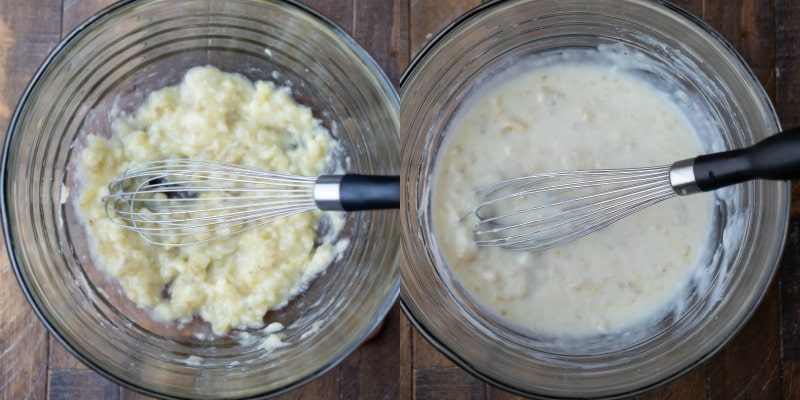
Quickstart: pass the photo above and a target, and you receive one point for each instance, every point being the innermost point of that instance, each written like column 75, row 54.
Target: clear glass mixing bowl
column 114, row 60
column 749, row 220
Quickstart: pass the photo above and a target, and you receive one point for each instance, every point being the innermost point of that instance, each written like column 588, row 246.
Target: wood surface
column 761, row 362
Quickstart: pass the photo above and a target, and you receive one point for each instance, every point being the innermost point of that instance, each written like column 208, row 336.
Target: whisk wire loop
column 187, row 201
column 549, row 209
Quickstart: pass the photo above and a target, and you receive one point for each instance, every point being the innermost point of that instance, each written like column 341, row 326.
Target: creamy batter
column 571, row 115
column 230, row 282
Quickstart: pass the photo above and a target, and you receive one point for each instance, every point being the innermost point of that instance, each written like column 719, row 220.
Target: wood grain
column 406, row 378
column 446, row 382
column 26, row 36
column 791, row 380
column 691, row 386
column 787, row 99
column 790, row 295
column 431, row 16
column 370, row 28
column 787, row 55
column 749, row 366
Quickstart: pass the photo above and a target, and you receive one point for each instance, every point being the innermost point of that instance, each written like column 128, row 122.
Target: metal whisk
column 550, row 209
column 187, row 201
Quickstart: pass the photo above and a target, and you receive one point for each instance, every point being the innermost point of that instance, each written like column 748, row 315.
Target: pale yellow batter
column 561, row 117
column 234, row 281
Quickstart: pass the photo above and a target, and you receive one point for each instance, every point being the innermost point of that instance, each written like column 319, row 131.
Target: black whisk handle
column 369, row 192
column 776, row 158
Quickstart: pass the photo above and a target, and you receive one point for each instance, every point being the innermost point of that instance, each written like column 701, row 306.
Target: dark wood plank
column 76, row 12
column 125, row 394
column 493, row 393
column 426, row 356
column 23, row 343
column 7, row 40
column 69, row 378
column 400, row 42
column 433, row 375
column 376, row 26
column 692, row 386
column 28, row 31
column 791, row 380
column 790, row 295
column 325, row 387
column 693, row 6
column 405, row 379
column 431, row 16
column 59, row 358
column 749, row 25
column 787, row 97
column 795, row 209
column 749, row 366
column 787, row 13
column 446, row 383
column 340, row 12
column 372, row 371
column 68, row 384
column 33, row 30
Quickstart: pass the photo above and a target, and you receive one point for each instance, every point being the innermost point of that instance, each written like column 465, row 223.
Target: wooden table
column 761, row 362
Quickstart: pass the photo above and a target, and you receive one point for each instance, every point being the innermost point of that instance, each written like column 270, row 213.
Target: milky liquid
column 572, row 115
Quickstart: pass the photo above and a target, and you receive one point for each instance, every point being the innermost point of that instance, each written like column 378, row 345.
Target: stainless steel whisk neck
column 682, row 179
column 327, row 193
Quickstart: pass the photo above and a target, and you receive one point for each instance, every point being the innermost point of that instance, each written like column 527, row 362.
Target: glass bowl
column 114, row 60
column 749, row 220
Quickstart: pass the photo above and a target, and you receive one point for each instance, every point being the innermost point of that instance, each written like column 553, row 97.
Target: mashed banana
column 231, row 282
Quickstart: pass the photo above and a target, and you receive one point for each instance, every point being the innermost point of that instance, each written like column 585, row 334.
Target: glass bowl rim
column 65, row 45
column 421, row 57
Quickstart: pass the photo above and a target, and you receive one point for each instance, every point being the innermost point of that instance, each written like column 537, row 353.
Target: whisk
column 550, row 209
column 187, row 201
